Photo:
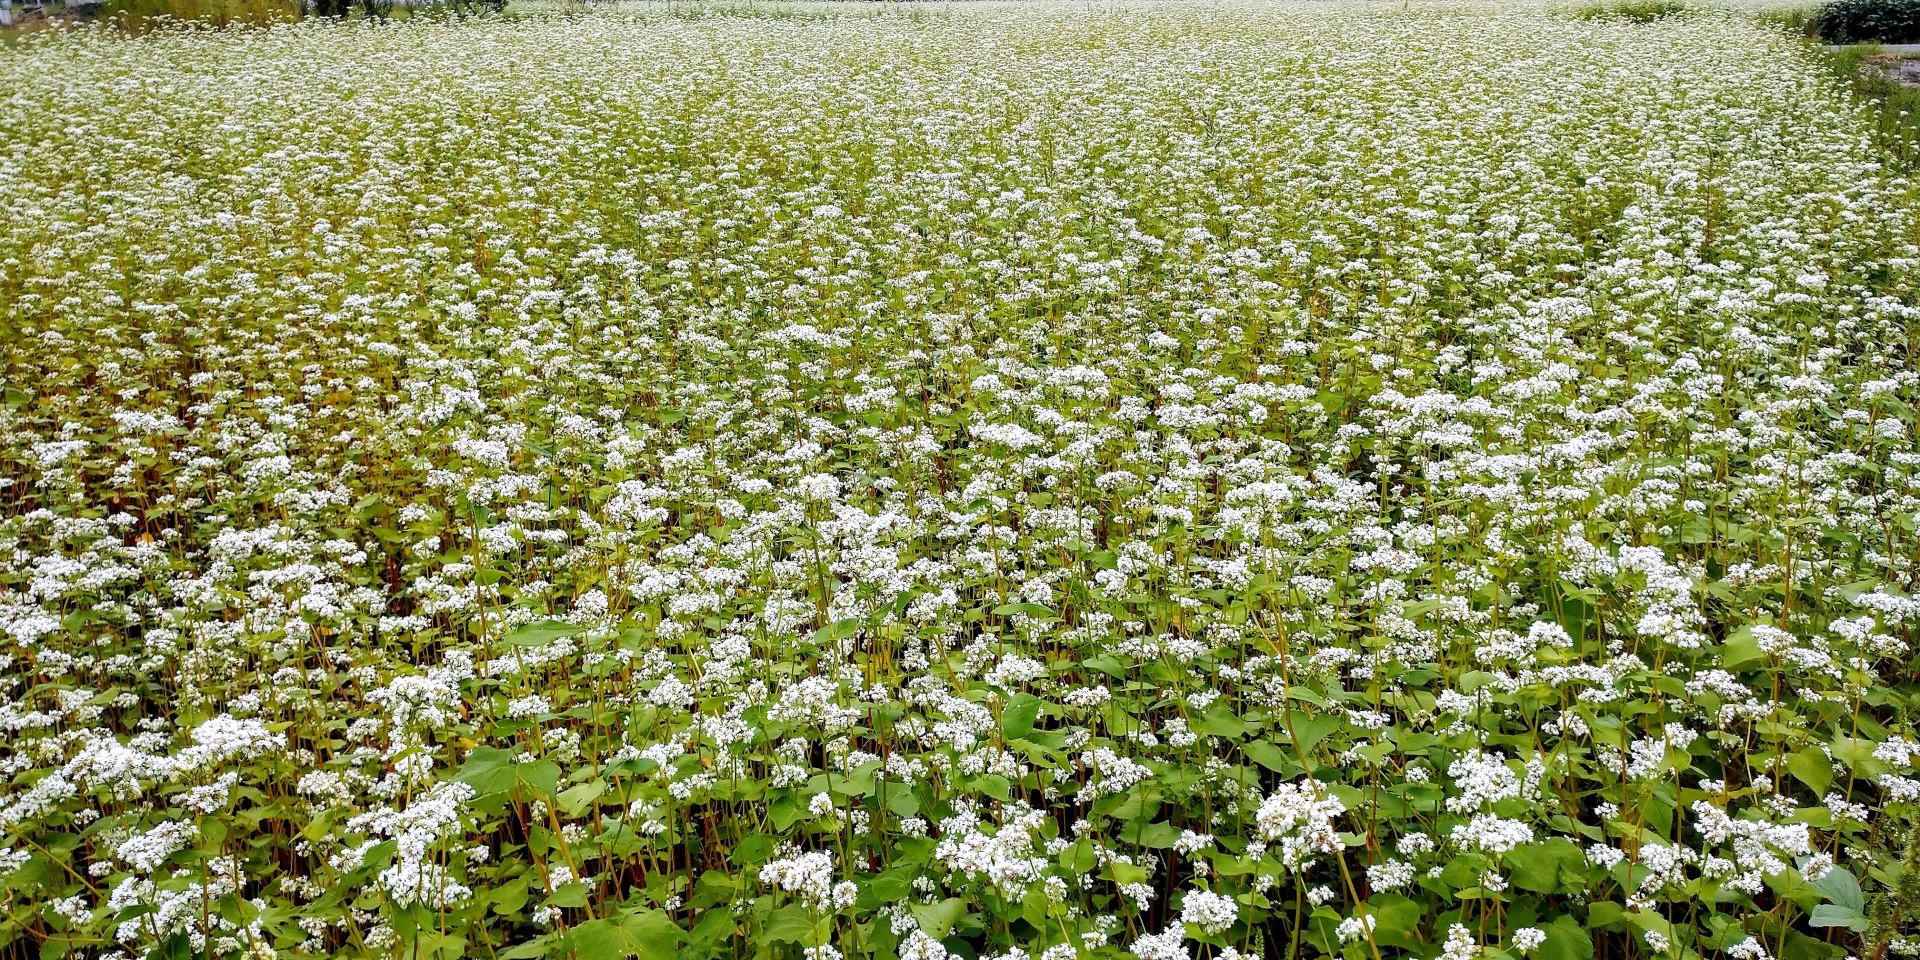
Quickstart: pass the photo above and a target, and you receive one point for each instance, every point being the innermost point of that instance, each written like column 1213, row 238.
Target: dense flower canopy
column 1017, row 481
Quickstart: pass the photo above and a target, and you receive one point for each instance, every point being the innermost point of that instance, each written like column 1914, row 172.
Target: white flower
column 810, row 876
column 1460, row 944
column 225, row 738
column 1482, row 779
column 818, row 488
column 1300, row 817
column 1525, row 940
column 919, row 946
column 1491, row 834
column 1210, row 912
column 531, row 705
column 1169, row 944
column 145, row 851
column 1354, row 928
column 1389, row 874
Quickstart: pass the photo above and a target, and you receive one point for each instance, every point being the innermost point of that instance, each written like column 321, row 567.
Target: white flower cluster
column 1005, row 858
column 1300, row 816
column 810, row 876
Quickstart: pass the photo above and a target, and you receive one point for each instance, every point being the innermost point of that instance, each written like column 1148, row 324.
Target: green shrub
column 1869, row 21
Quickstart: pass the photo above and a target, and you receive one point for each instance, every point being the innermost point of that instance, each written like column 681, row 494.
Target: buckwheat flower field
column 1196, row 480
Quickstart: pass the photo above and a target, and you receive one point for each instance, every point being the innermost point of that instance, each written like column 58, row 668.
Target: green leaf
column 1137, row 803
column 597, row 940
column 427, row 945
column 1858, row 754
column 575, row 799
column 790, row 924
column 541, row 632
column 1606, row 915
column 568, row 895
column 714, row 927
column 1310, row 730
column 1219, row 721
column 901, row 801
column 938, row 918
column 542, row 776
column 56, row 947
column 1832, row 915
column 1741, row 649
column 1396, row 921
column 895, row 884
column 1034, row 908
column 1033, row 611
column 1574, row 616
column 1811, row 767
column 1566, row 940
column 651, row 935
column 713, row 887
column 836, row 631
column 1791, row 885
column 1016, row 721
column 995, row 786
column 378, row 856
column 531, row 950
column 1799, row 946
column 509, row 897
column 1154, row 836
column 1838, row 885
column 1555, row 866
column 1079, row 857
column 647, row 934
column 1306, row 695
column 1269, row 756
column 757, row 848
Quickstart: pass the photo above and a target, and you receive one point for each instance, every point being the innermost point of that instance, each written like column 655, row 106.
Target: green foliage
column 1868, row 21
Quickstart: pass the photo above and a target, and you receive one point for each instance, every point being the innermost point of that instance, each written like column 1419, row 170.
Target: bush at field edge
column 1869, row 21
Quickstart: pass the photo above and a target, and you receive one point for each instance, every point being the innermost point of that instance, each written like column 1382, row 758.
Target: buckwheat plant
column 1187, row 481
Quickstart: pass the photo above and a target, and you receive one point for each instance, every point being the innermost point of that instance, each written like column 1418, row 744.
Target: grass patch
column 1638, row 11
column 1798, row 19
column 1893, row 107
column 142, row 15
